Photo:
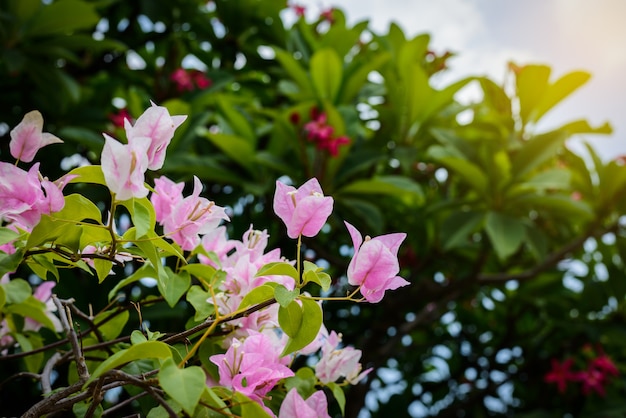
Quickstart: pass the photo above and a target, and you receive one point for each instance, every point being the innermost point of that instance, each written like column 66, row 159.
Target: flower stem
column 298, row 260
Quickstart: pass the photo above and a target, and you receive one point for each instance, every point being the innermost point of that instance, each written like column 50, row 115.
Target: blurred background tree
column 515, row 244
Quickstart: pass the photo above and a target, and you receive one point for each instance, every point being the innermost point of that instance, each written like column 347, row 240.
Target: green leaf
column 8, row 235
column 201, row 271
column 113, row 327
column 143, row 215
column 17, row 290
column 457, row 228
column 249, row 408
column 30, row 342
column 312, row 318
column 339, row 395
column 80, row 409
column 238, row 122
column 103, row 268
column 199, row 299
column 258, row 295
column 326, row 73
column 290, row 318
column 558, row 91
column 143, row 350
column 183, row 385
column 357, row 77
column 401, row 187
column 283, row 296
column 557, row 205
column 62, row 17
column 315, row 274
column 531, row 83
column 537, row 151
column 3, row 297
column 279, row 268
column 304, row 381
column 367, row 212
column 10, row 262
column 236, row 147
column 505, row 232
column 172, row 286
column 294, row 69
column 145, row 271
column 32, row 308
column 88, row 174
column 137, row 337
column 467, row 170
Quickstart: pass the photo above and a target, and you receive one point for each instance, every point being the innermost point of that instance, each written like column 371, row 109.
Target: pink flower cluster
column 374, row 266
column 190, row 80
column 184, row 219
column 252, row 364
column 26, row 195
column 321, row 134
column 124, row 165
column 595, row 377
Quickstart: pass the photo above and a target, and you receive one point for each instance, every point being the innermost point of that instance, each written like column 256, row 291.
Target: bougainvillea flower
column 305, row 210
column 337, row 363
column 157, row 124
column 561, row 374
column 191, row 217
column 318, row 129
column 182, row 79
column 593, row 380
column 119, row 119
column 293, row 406
column 27, row 137
column 604, row 364
column 201, row 80
column 24, row 197
column 167, row 194
column 374, row 266
column 251, row 367
column 124, row 167
column 319, row 132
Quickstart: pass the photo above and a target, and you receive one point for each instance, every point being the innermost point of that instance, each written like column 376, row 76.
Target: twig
column 206, row 324
column 64, row 313
column 120, row 375
column 17, row 376
column 123, row 403
column 46, row 386
column 550, row 261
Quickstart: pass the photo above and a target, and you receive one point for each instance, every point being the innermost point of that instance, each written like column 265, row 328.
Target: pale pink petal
column 357, row 238
column 156, row 124
column 294, row 406
column 318, row 402
column 283, row 201
column 27, row 137
column 310, row 216
column 124, row 167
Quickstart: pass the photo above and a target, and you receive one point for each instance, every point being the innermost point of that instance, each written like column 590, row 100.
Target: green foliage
column 515, row 249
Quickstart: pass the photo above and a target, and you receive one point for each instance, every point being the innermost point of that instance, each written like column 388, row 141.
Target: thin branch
column 120, row 375
column 548, row 262
column 123, row 403
column 209, row 322
column 64, row 313
column 19, row 375
column 46, row 386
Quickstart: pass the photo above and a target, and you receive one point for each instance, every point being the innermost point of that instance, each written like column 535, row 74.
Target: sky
column 567, row 35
